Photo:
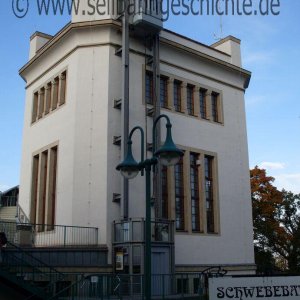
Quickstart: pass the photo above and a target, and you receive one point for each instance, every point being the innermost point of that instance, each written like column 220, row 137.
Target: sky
column 270, row 50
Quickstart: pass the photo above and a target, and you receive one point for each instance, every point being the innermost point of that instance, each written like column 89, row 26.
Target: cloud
column 272, row 165
column 289, row 182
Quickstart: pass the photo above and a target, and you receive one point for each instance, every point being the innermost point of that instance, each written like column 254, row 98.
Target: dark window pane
column 190, row 99
column 202, row 96
column 209, row 194
column 194, row 186
column 149, row 88
column 164, row 92
column 177, row 96
column 214, row 107
column 179, row 195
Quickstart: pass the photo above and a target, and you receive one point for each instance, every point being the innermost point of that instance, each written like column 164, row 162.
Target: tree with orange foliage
column 276, row 223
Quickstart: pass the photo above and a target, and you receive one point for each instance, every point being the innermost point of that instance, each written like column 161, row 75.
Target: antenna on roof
column 220, row 37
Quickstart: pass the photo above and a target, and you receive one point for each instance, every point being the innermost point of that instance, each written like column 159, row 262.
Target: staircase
column 8, row 213
column 24, row 273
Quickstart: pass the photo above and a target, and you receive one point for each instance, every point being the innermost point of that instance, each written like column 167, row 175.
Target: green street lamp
column 168, row 154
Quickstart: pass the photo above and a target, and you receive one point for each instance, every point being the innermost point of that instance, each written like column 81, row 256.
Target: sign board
column 119, row 261
column 94, row 279
column 281, row 288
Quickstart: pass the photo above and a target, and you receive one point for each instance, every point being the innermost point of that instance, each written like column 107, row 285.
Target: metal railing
column 29, row 269
column 121, row 286
column 21, row 216
column 7, row 201
column 133, row 230
column 43, row 235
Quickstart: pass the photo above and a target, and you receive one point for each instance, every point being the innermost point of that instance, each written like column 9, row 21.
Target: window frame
column 202, row 103
column 190, row 103
column 195, row 191
column 149, row 78
column 53, row 96
column 179, row 195
column 163, row 86
column 43, row 195
column 177, row 97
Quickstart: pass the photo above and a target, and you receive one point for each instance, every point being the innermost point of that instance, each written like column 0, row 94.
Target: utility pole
column 125, row 98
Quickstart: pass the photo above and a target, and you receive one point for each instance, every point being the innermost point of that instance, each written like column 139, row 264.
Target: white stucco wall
column 86, row 124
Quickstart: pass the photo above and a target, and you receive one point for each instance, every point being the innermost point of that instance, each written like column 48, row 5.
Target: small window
column 164, row 92
column 177, row 95
column 149, row 88
column 215, row 107
column 182, row 285
column 54, row 100
column 49, row 97
column 62, row 88
column 202, row 96
column 48, row 94
column 35, row 107
column 190, row 99
column 41, row 103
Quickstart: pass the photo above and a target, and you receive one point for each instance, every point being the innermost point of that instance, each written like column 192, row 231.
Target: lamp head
column 169, row 154
column 129, row 168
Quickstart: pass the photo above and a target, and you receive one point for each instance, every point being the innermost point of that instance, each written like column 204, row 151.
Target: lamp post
column 167, row 155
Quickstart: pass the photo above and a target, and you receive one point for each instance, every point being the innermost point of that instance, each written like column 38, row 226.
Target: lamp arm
column 154, row 130
column 142, row 142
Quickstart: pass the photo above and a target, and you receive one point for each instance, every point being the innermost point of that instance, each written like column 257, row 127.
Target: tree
column 276, row 222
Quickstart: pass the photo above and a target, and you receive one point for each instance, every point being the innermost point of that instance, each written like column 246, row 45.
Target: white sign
column 283, row 288
column 119, row 261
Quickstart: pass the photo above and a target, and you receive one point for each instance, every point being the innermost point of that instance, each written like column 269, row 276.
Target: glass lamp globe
column 129, row 172
column 168, row 154
column 169, row 158
column 129, row 168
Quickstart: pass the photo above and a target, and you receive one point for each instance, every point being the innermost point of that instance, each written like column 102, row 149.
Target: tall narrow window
column 50, row 216
column 54, row 98
column 44, row 189
column 149, row 88
column 62, row 88
column 35, row 107
column 48, row 92
column 34, row 188
column 194, row 187
column 41, row 205
column 177, row 95
column 202, row 96
column 164, row 192
column 41, row 103
column 214, row 106
column 209, row 196
column 190, row 99
column 179, row 195
column 163, row 92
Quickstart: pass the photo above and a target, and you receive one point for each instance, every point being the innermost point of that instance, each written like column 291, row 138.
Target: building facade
column 73, row 131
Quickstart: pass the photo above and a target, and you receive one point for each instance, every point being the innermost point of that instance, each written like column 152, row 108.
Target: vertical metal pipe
column 125, row 97
column 156, row 76
column 147, row 258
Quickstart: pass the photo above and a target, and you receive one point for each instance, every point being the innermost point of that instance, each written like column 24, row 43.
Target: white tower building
column 73, row 129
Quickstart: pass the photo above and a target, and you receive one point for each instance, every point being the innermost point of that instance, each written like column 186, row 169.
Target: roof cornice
column 62, row 33
column 109, row 22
